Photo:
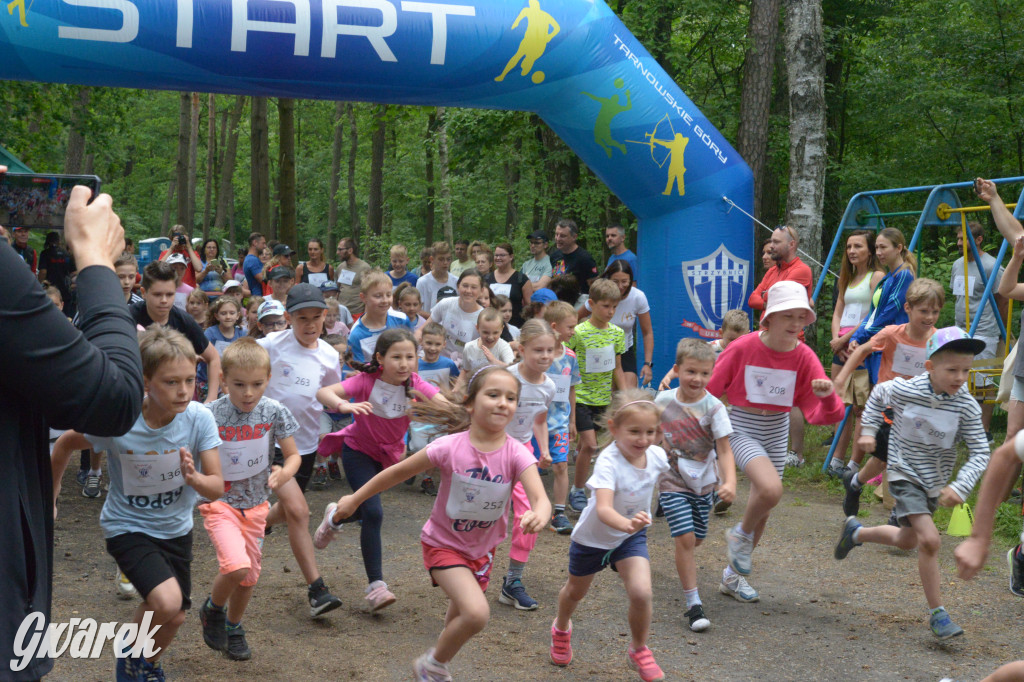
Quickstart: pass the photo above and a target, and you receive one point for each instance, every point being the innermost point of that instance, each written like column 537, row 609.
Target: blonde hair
column 556, row 311
column 158, row 345
column 441, row 249
column 490, row 315
column 604, row 290
column 625, row 404
column 245, row 353
column 211, row 315
column 923, row 290
column 695, row 349
column 199, row 295
column 375, row 278
column 433, row 329
column 452, row 416
column 534, row 329
column 399, row 251
column 736, row 320
column 333, row 305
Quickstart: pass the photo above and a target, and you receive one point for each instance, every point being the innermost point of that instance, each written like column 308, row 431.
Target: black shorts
column 305, row 471
column 588, row 415
column 882, row 436
column 629, row 360
column 147, row 562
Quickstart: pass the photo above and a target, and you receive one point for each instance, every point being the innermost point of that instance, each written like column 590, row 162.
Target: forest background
column 824, row 98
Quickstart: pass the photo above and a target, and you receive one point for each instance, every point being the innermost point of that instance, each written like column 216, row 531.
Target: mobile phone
column 38, row 200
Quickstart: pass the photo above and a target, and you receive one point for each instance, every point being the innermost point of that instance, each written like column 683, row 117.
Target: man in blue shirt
column 252, row 266
column 615, row 238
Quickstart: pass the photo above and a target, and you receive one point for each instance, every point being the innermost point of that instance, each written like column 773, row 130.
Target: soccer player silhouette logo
column 541, row 27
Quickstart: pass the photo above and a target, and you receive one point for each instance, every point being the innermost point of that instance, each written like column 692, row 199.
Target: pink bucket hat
column 788, row 296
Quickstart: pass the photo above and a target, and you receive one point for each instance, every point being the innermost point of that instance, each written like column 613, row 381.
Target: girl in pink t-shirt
column 382, row 392
column 478, row 468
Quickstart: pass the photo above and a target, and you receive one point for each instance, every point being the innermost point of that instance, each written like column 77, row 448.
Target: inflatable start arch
column 570, row 61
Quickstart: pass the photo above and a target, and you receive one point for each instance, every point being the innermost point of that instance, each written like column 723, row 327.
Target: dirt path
column 818, row 619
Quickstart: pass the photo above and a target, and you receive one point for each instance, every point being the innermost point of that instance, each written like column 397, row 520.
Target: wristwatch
column 649, row 364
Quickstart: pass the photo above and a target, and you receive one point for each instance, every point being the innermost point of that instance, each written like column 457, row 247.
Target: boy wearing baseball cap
column 931, row 412
column 302, row 363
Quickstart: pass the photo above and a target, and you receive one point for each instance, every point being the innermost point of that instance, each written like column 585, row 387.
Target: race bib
column 461, row 330
column 698, row 474
column 928, row 426
column 438, row 377
column 316, row 278
column 151, row 473
column 475, row 499
column 346, row 277
column 630, row 502
column 242, row 459
column 389, row 401
column 301, row 377
column 908, row 360
column 958, row 285
column 600, row 359
column 562, row 386
column 501, row 289
column 853, row 313
column 769, row 386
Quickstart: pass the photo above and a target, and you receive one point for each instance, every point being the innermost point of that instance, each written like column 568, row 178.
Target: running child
column 249, row 424
column 697, row 429
column 599, row 346
column 222, row 324
column 902, row 348
column 488, row 348
column 763, row 376
column 504, row 306
column 332, row 320
column 735, row 323
column 565, row 372
column 458, row 315
column 479, row 463
column 438, row 277
column 374, row 441
column 440, row 371
column 154, row 479
column 303, row 362
column 612, row 530
column 536, row 394
column 406, row 299
column 399, row 262
column 375, row 293
column 931, row 412
column 198, row 306
column 250, row 321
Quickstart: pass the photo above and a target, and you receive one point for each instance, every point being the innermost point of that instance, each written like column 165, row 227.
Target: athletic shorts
column 558, row 444
column 305, row 471
column 584, row 560
column 235, row 534
column 686, row 513
column 629, row 360
column 882, row 436
column 911, row 499
column 857, row 389
column 587, row 416
column 148, row 562
column 440, row 558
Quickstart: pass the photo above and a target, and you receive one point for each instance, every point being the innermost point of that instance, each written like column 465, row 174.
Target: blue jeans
column 359, row 469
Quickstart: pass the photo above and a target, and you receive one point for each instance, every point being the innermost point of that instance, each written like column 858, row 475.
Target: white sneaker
column 794, row 460
column 125, row 589
column 738, row 588
column 326, row 531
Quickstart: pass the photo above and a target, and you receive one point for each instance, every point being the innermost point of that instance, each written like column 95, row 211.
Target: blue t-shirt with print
column 166, row 514
column 558, row 414
column 362, row 340
column 435, row 372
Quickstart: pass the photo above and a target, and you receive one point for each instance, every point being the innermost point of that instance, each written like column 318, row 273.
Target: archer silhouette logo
column 611, row 107
column 541, row 27
column 20, row 6
column 675, row 146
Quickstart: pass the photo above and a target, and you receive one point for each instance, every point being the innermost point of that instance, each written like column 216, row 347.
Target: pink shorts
column 438, row 558
column 236, row 535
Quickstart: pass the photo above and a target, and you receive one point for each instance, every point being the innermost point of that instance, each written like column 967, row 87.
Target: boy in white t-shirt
column 438, row 277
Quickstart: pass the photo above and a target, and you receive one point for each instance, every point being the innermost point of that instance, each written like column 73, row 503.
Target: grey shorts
column 911, row 499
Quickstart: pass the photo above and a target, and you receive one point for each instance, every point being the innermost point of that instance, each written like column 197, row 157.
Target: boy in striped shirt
column 931, row 412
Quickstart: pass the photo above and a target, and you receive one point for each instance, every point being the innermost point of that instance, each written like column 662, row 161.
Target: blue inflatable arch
column 570, row 61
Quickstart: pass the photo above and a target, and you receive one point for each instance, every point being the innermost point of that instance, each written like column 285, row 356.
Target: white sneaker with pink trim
column 378, row 595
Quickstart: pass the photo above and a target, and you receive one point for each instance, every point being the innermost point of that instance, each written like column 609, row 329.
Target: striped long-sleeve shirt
column 926, row 427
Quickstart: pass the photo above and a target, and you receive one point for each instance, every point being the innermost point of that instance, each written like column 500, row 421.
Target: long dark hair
column 453, row 417
column 215, row 243
column 384, row 342
column 618, row 266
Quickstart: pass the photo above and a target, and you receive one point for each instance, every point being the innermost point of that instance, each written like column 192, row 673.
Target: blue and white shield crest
column 716, row 283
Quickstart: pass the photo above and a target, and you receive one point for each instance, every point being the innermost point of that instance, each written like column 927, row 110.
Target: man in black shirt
column 157, row 307
column 56, row 265
column 569, row 258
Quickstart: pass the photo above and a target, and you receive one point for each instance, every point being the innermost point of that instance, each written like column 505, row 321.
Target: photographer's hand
column 93, row 231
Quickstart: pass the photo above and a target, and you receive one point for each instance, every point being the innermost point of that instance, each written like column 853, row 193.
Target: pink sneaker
column 876, row 481
column 378, row 595
column 642, row 661
column 428, row 671
column 561, row 645
column 326, row 531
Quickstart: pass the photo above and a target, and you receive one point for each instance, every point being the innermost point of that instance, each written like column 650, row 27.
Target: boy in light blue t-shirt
column 565, row 371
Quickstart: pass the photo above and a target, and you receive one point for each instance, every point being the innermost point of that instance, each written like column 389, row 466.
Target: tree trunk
column 428, row 176
column 165, row 222
column 286, row 170
column 75, row 156
column 756, row 97
column 375, row 207
column 805, row 63
column 332, row 204
column 211, row 154
column 181, row 167
column 225, row 190
column 260, row 160
column 193, row 161
column 354, row 225
column 512, row 176
column 446, row 193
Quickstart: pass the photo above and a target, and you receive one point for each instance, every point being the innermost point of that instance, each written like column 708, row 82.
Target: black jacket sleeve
column 88, row 380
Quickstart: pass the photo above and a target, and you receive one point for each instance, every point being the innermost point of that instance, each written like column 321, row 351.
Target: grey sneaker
column 214, row 622
column 238, row 648
column 91, row 487
column 738, row 548
column 837, row 468
column 737, row 587
column 1016, row 564
column 577, row 500
column 794, row 460
column 846, row 542
column 943, row 626
column 561, row 524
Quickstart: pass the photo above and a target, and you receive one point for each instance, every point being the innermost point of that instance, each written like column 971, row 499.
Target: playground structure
column 942, row 208
column 570, row 61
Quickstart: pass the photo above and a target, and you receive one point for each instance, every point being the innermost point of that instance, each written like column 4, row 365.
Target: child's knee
column 477, row 615
column 928, row 541
column 177, row 620
column 371, row 513
column 906, row 539
column 296, row 510
column 770, row 491
column 640, row 593
column 686, row 541
column 574, row 591
column 165, row 602
column 237, row 575
column 560, row 468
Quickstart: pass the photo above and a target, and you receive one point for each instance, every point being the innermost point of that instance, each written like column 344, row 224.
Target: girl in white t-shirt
column 458, row 315
column 612, row 530
column 478, row 463
column 488, row 348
